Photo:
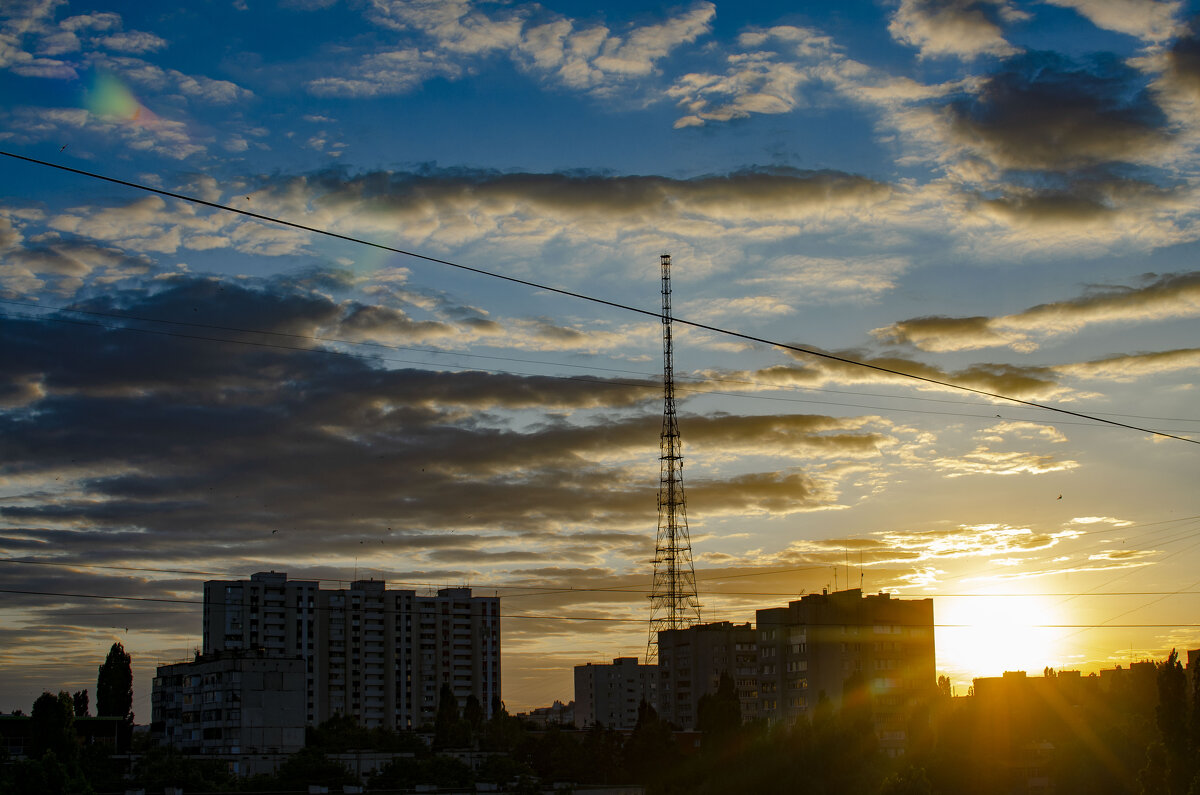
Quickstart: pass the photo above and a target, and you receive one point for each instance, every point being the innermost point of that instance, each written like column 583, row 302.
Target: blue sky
column 995, row 194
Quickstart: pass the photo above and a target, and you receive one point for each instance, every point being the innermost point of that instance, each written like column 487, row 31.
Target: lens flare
column 110, row 98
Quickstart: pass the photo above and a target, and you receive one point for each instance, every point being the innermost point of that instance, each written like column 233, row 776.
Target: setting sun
column 988, row 634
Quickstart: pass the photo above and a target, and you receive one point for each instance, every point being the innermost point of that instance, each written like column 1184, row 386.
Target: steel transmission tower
column 673, row 600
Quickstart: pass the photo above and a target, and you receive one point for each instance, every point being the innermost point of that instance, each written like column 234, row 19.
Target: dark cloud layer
column 1043, row 112
column 120, row 445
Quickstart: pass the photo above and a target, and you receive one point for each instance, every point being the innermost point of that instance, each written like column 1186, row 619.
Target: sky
column 997, row 195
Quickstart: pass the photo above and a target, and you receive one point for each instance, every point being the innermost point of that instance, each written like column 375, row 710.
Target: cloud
column 145, row 430
column 446, row 39
column 961, row 28
column 1029, row 382
column 1151, row 20
column 1160, row 298
column 806, row 279
column 1043, row 112
column 758, row 79
column 753, row 83
column 28, row 29
column 459, row 207
column 387, row 73
column 133, row 41
column 153, row 77
column 1131, row 367
column 986, row 459
column 160, row 136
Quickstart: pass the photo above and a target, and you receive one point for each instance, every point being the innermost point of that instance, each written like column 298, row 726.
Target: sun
column 988, row 634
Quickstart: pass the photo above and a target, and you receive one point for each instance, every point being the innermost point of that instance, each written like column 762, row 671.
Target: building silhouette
column 691, row 662
column 378, row 655
column 871, row 651
column 244, row 702
column 610, row 694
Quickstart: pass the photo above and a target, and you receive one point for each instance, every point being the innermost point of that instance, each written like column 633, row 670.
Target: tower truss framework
column 673, row 600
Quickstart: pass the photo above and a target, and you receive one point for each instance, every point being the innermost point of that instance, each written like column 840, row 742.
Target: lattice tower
column 673, row 600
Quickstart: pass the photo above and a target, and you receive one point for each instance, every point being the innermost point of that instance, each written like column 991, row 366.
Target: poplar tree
column 114, row 685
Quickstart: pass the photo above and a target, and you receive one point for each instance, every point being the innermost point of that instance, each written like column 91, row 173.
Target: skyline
column 994, row 194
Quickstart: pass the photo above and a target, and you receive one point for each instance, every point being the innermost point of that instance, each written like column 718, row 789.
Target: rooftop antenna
column 673, row 600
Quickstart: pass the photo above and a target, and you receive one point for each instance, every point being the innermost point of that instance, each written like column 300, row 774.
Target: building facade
column 610, row 694
column 230, row 703
column 378, row 655
column 691, row 661
column 844, row 645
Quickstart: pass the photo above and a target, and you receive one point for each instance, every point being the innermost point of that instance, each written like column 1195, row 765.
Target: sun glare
column 989, row 634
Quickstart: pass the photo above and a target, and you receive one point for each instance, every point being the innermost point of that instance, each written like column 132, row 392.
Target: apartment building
column 230, row 703
column 846, row 645
column 610, row 694
column 376, row 654
column 691, row 661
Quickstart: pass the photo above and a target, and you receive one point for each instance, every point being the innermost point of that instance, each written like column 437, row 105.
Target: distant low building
column 610, row 694
column 557, row 714
column 230, row 703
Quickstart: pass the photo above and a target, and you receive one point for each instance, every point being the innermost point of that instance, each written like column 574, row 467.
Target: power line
column 593, row 368
column 611, row 382
column 590, row 298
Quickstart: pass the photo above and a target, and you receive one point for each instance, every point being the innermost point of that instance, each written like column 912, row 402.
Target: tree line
column 1134, row 733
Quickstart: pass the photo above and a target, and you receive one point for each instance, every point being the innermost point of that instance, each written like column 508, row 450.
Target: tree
column 448, row 727
column 1194, row 726
column 309, row 766
column 910, row 781
column 114, row 685
column 80, row 701
column 1171, row 717
column 719, row 714
column 473, row 712
column 650, row 751
column 52, row 726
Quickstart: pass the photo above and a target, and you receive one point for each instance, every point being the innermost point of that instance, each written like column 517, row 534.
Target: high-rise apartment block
column 378, row 655
column 841, row 645
column 827, row 646
column 610, row 694
column 230, row 703
column 691, row 662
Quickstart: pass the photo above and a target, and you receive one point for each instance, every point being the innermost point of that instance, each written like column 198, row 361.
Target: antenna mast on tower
column 673, row 600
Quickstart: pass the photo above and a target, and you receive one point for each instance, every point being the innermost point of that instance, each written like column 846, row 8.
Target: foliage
column 310, row 766
column 449, row 729
column 651, row 751
column 160, row 768
column 47, row 775
column 406, row 773
column 910, row 781
column 52, row 727
column 501, row 732
column 473, row 713
column 1171, row 717
column 342, row 733
column 114, row 685
column 79, row 701
column 719, row 714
